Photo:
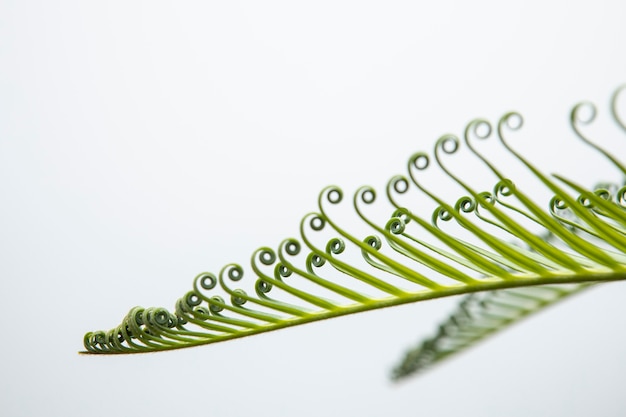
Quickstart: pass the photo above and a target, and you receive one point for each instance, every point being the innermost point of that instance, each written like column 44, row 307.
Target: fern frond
column 498, row 243
column 478, row 316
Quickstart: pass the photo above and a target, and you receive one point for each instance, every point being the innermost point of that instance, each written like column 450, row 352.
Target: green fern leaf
column 478, row 316
column 499, row 241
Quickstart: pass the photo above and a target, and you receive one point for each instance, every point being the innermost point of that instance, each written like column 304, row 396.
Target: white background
column 144, row 142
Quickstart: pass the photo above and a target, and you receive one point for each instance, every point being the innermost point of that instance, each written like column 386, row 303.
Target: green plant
column 509, row 255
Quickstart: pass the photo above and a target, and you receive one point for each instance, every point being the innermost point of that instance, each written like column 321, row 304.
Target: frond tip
column 492, row 241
